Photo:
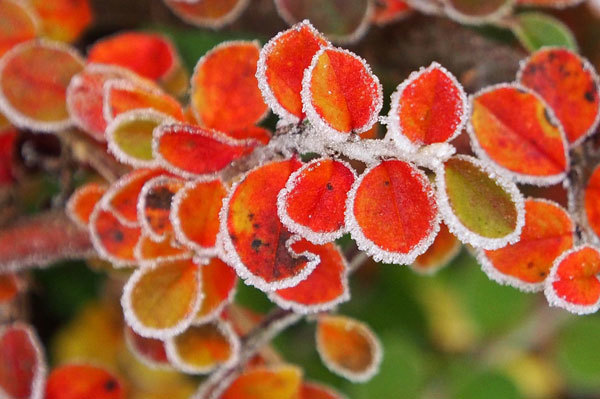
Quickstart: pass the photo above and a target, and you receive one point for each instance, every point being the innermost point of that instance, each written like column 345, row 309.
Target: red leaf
column 313, row 201
column 154, row 205
column 218, row 286
column 392, row 213
column 258, row 133
column 83, row 382
column 149, row 351
column 340, row 94
column 281, row 68
column 64, row 20
column 280, row 381
column 324, row 288
column 388, row 11
column 573, row 283
column 311, row 390
column 569, row 84
column 193, row 151
column 113, row 240
column 82, row 202
column 225, row 94
column 22, row 364
column 429, row 107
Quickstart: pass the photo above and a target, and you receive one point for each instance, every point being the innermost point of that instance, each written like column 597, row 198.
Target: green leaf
column 487, row 385
column 536, row 30
column 577, row 353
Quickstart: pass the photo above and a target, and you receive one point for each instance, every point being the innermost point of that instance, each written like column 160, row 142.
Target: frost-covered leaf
column 444, row 249
column 150, row 351
column 281, row 68
column 19, row 24
column 161, row 301
column 536, row 30
column 388, row 11
column 313, row 202
column 275, row 382
column 340, row 94
column 479, row 206
column 569, row 84
column 22, row 363
column 513, row 128
column 63, row 20
column 34, row 76
column 195, row 215
column 194, row 151
column 573, row 283
column 208, row 13
column 255, row 241
column 591, row 201
column 429, row 107
column 391, row 212
column 78, row 381
column 9, row 287
column 129, row 136
column 324, row 288
column 225, row 94
column 154, row 205
column 311, row 390
column 82, row 202
column 218, row 286
column 150, row 55
column 547, row 233
column 479, row 11
column 148, row 250
column 258, row 133
column 348, row 347
column 342, row 21
column 203, row 348
column 112, row 239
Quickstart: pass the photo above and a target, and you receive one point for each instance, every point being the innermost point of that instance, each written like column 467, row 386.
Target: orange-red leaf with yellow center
column 255, row 239
column 281, row 68
column 348, row 347
column 194, row 150
column 569, row 84
column 548, row 232
column 444, row 248
column 83, row 200
column 339, row 92
column 79, row 381
column 17, row 24
column 225, row 94
column 277, row 382
column 111, row 238
column 64, row 20
column 149, row 54
column 218, row 286
column 515, row 129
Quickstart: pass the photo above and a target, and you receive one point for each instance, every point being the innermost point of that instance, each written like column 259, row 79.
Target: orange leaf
column 444, row 249
column 113, row 240
column 429, row 107
column 388, row 11
column 79, row 381
column 218, row 286
column 258, row 133
column 64, row 20
column 148, row 251
column 324, row 288
column 513, row 128
column 592, row 201
column 340, row 94
column 548, row 232
column 311, row 390
column 392, row 213
column 154, row 205
column 148, row 54
column 208, row 13
column 255, row 241
column 313, row 201
column 82, row 202
column 276, row 382
column 203, row 348
column 225, row 94
column 161, row 301
column 33, row 83
column 281, row 68
column 149, row 351
column 193, row 151
column 348, row 347
column 9, row 287
column 22, row 364
column 573, row 283
column 195, row 215
column 19, row 24
column 569, row 84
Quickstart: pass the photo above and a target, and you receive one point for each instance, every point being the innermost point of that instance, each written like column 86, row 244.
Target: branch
column 40, row 240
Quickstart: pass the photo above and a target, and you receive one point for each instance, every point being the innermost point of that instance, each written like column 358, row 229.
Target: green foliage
column 536, row 30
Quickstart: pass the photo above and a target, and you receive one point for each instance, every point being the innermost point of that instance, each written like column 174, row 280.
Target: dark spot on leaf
column 117, row 235
column 110, row 385
column 329, row 186
column 590, row 95
column 256, row 244
column 250, row 216
column 387, row 182
column 159, row 198
column 256, row 225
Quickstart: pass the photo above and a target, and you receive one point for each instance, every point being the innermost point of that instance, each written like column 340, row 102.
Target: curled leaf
column 547, row 233
column 208, row 13
column 77, row 381
column 513, row 128
column 313, row 201
column 480, row 207
column 340, row 94
column 82, row 202
column 348, row 347
column 391, row 212
column 34, row 76
column 161, row 301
